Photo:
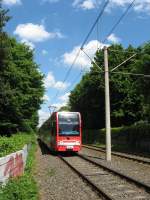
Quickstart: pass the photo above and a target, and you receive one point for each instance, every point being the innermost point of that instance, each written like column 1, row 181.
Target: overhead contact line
column 96, row 21
column 68, row 72
column 132, row 74
column 119, row 20
column 82, row 46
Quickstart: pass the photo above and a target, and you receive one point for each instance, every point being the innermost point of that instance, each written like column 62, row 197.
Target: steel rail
column 118, row 173
column 101, row 193
column 122, row 155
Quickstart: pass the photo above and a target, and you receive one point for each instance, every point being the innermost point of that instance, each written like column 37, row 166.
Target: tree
column 88, row 95
column 4, row 42
column 143, row 83
column 21, row 87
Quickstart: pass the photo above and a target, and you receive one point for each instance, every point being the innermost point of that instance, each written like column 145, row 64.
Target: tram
column 62, row 132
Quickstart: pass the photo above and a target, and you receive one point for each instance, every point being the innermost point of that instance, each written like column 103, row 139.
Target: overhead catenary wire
column 119, row 20
column 75, row 79
column 114, row 27
column 110, row 32
column 132, row 74
column 94, row 24
column 82, row 46
column 97, row 27
column 67, row 74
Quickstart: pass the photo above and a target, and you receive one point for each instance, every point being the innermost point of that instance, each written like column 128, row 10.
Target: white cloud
column 50, row 82
column 31, row 33
column 11, row 2
column 46, row 98
column 82, row 61
column 58, row 105
column 65, row 97
column 139, row 5
column 84, row 4
column 30, row 44
column 113, row 38
column 44, row 52
column 87, row 5
column 43, row 116
column 63, row 101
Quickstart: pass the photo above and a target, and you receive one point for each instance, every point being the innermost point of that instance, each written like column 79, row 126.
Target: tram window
column 72, row 118
column 68, row 129
column 69, row 124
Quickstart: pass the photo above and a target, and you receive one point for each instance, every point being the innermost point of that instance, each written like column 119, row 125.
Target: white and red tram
column 62, row 132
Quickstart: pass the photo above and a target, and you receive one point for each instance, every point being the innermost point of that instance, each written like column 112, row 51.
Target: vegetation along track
column 136, row 158
column 107, row 183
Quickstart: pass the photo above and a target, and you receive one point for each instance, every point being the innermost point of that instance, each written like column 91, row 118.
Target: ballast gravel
column 136, row 170
column 57, row 181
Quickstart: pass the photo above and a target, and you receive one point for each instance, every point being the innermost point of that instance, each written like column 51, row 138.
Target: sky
column 56, row 29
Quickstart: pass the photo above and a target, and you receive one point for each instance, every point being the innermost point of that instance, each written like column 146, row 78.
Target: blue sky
column 57, row 28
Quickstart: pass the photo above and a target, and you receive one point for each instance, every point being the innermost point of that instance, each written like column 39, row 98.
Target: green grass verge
column 24, row 187
column 14, row 143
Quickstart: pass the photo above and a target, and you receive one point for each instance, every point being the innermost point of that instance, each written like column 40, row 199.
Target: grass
column 14, row 143
column 24, row 187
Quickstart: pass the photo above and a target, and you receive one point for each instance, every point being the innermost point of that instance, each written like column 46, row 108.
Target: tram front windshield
column 68, row 124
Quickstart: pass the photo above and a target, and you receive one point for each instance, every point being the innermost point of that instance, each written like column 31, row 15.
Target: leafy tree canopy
column 127, row 99
column 21, row 87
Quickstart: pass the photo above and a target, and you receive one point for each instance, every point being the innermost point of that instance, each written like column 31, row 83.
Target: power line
column 67, row 74
column 93, row 26
column 82, row 46
column 118, row 22
column 74, row 80
column 113, row 28
column 133, row 74
column 96, row 21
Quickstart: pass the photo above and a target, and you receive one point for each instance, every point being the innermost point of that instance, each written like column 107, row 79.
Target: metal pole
column 107, row 107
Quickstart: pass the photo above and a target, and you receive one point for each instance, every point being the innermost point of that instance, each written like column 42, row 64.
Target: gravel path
column 57, row 181
column 133, row 169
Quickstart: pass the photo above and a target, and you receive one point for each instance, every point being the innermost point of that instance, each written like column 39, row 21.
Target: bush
column 135, row 137
column 98, row 136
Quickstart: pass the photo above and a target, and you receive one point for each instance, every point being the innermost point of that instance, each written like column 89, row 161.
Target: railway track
column 108, row 183
column 140, row 159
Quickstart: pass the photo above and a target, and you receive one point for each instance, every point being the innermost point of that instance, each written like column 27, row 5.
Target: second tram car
column 62, row 132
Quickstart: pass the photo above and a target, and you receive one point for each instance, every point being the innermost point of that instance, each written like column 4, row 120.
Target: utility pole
column 107, row 107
